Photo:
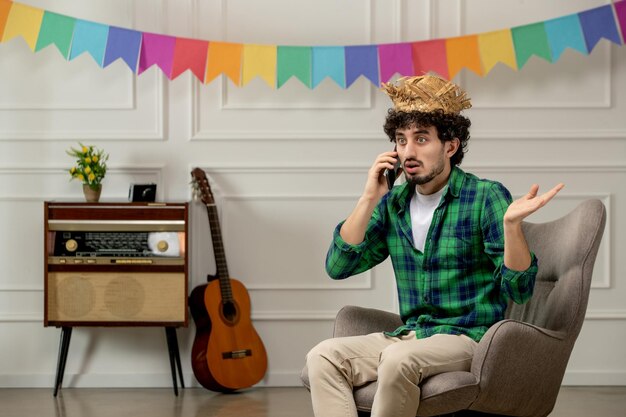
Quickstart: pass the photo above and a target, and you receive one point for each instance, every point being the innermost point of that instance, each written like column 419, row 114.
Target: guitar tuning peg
column 195, row 194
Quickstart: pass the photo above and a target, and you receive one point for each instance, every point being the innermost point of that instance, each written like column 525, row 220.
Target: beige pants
column 399, row 364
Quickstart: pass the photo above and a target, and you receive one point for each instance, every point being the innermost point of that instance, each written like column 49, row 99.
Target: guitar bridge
column 237, row 354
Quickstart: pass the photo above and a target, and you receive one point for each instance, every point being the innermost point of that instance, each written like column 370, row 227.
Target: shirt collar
column 402, row 197
column 455, row 182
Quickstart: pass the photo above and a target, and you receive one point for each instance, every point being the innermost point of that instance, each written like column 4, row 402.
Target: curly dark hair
column 449, row 126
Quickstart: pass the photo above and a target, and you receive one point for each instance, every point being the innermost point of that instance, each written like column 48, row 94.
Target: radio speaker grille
column 116, row 297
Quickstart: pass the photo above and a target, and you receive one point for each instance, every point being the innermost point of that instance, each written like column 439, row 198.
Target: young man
column 457, row 249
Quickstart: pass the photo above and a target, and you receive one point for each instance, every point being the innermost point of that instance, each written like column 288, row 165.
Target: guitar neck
column 219, row 252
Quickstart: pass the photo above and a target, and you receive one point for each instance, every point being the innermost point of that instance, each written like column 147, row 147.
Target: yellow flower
column 90, row 166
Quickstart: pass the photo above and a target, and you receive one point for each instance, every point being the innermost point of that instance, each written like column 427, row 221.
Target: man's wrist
column 512, row 224
column 368, row 200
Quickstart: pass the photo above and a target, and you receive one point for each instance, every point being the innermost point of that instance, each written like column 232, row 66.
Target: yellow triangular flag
column 497, row 47
column 259, row 60
column 23, row 21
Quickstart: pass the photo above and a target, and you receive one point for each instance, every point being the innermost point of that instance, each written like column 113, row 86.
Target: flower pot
column 92, row 195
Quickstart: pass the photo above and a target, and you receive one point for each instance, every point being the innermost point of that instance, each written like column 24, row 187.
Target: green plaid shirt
column 459, row 284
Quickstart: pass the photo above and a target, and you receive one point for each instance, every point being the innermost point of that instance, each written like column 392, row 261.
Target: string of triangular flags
column 276, row 64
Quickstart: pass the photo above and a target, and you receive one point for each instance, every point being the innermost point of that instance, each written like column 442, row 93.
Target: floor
column 259, row 402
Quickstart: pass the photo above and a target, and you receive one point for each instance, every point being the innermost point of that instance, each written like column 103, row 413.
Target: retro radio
column 115, row 264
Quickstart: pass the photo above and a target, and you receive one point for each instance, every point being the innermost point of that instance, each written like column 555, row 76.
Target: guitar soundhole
column 229, row 311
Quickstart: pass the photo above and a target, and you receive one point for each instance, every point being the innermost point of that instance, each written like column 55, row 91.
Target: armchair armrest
column 519, row 367
column 354, row 321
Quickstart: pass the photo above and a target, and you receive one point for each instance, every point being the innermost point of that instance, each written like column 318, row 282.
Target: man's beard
column 425, row 179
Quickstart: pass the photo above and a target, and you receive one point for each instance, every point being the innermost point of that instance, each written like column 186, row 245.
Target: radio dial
column 71, row 245
column 162, row 246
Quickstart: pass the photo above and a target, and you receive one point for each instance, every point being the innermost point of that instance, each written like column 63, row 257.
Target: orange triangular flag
column 463, row 52
column 224, row 57
column 5, row 8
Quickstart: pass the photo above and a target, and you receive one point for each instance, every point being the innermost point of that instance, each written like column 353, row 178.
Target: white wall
column 286, row 166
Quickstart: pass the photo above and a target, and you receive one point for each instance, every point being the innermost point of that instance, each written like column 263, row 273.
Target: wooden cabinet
column 115, row 264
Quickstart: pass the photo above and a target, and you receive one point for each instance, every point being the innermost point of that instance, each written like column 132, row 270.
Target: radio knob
column 162, row 246
column 71, row 245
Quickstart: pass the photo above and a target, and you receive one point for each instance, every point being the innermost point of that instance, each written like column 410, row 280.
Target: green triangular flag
column 294, row 61
column 56, row 29
column 530, row 40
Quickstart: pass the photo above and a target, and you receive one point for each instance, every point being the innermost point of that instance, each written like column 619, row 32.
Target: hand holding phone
column 391, row 174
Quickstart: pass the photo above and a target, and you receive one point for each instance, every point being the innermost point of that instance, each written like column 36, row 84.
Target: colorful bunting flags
column 395, row 58
column 157, row 49
column 463, row 52
column 190, row 54
column 361, row 60
column 5, row 8
column 58, row 30
column 565, row 32
column 294, row 61
column 24, row 21
column 530, row 40
column 125, row 44
column 620, row 11
column 259, row 60
column 497, row 46
column 599, row 23
column 329, row 61
column 310, row 65
column 224, row 58
column 89, row 37
column 430, row 56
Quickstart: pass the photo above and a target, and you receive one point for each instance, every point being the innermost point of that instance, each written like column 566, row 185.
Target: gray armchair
column 520, row 362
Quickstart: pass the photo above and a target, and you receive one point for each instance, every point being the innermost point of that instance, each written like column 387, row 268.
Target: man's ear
column 452, row 146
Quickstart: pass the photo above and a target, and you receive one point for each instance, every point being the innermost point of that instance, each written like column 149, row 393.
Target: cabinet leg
column 180, row 368
column 174, row 354
column 64, row 346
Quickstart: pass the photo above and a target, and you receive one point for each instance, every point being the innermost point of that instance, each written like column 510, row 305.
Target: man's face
column 423, row 155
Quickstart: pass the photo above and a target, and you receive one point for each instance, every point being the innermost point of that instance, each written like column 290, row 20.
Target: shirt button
column 426, row 299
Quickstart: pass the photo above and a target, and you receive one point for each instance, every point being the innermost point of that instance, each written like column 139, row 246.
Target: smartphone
column 390, row 174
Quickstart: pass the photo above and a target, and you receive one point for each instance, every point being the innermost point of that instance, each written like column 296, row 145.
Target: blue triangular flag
column 565, row 32
column 599, row 23
column 362, row 60
column 125, row 44
column 89, row 37
column 329, row 61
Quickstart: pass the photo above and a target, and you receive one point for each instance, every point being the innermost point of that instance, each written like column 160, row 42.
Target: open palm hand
column 528, row 204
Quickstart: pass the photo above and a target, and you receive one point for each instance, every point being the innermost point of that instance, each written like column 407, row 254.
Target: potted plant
column 90, row 169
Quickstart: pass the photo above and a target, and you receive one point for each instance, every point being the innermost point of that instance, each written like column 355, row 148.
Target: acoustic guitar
column 227, row 353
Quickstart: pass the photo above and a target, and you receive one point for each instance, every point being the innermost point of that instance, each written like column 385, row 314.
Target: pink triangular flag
column 159, row 50
column 394, row 58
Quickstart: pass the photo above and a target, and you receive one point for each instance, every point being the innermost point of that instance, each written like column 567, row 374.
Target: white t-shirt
column 422, row 209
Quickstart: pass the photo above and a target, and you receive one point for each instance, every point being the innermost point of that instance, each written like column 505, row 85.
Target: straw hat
column 427, row 93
